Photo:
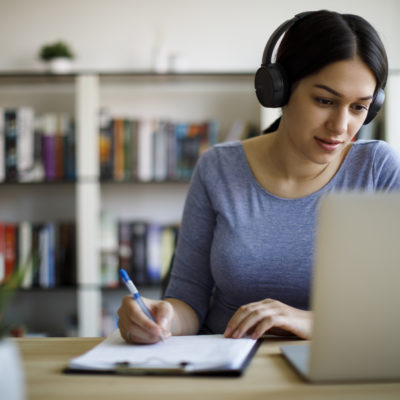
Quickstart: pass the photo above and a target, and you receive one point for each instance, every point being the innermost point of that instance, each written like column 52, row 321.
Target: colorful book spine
column 142, row 248
column 151, row 150
column 44, row 254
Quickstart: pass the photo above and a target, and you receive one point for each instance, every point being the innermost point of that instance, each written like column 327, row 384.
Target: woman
column 244, row 256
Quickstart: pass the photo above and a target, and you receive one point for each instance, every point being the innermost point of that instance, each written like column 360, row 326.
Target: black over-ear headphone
column 272, row 86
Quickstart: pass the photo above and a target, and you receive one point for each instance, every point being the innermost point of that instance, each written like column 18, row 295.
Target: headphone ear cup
column 271, row 86
column 375, row 106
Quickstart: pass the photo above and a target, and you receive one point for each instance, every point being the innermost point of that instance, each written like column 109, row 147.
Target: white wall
column 120, row 34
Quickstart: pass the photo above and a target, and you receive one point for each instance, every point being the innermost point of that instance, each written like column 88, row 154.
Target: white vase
column 12, row 381
column 60, row 65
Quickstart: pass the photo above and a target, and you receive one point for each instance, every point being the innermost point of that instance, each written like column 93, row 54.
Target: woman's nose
column 338, row 121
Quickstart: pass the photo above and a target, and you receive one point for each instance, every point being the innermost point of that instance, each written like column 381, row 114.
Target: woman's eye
column 360, row 107
column 325, row 102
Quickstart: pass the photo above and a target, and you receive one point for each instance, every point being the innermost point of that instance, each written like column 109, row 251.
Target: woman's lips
column 327, row 144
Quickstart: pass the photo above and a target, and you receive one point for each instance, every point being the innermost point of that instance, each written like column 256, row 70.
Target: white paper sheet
column 199, row 352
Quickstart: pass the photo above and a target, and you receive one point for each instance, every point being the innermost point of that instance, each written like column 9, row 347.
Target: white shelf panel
column 159, row 202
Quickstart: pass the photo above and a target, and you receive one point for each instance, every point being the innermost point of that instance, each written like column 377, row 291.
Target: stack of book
column 144, row 249
column 36, row 148
column 152, row 150
column 45, row 253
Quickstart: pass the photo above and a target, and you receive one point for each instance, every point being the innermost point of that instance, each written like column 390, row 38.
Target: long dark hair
column 324, row 37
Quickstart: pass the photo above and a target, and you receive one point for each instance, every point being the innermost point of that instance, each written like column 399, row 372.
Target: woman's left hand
column 272, row 316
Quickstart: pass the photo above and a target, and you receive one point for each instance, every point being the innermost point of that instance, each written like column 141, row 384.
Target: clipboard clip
column 150, row 367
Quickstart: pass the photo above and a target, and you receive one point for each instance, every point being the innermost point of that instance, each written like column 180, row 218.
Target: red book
column 10, row 248
column 2, row 266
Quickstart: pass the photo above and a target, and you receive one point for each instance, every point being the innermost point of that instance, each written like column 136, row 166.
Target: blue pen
column 136, row 295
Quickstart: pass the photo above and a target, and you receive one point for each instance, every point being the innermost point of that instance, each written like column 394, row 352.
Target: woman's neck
column 288, row 164
column 282, row 171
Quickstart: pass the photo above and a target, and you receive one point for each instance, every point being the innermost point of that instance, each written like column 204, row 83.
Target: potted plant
column 58, row 56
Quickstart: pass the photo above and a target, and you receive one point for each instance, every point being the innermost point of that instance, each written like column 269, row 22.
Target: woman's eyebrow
column 335, row 93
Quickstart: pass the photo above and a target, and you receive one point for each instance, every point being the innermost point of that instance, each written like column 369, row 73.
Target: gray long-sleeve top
column 239, row 244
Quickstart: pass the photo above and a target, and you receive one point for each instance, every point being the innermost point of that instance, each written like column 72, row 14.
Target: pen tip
column 123, row 274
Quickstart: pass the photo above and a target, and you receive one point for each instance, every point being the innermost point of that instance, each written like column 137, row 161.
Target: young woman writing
column 243, row 262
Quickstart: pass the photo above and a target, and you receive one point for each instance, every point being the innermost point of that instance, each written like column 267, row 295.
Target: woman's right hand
column 136, row 327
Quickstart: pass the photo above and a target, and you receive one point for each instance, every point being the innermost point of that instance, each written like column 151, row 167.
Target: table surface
column 268, row 376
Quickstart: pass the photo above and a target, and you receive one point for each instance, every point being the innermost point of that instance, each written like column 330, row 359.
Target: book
column 10, row 248
column 49, row 138
column 25, row 253
column 138, row 269
column 109, row 249
column 2, row 152
column 2, row 255
column 178, row 355
column 10, row 145
column 150, row 149
column 145, row 150
column 69, row 168
column 153, row 252
column 168, row 244
column 124, row 244
column 134, row 148
column 106, row 145
column 36, row 228
column 118, row 138
column 61, row 131
column 127, row 146
column 160, row 152
column 25, row 142
column 65, row 248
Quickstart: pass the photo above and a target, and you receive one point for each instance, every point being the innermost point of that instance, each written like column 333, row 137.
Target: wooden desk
column 267, row 377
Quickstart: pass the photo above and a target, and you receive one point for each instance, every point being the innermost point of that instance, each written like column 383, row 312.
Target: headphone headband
column 273, row 40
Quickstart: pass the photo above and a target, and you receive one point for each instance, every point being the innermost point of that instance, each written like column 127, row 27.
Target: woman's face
column 326, row 110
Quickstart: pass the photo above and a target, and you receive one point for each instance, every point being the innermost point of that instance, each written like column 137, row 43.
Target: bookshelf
column 224, row 97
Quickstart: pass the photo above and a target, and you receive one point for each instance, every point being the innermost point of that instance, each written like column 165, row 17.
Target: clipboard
column 203, row 355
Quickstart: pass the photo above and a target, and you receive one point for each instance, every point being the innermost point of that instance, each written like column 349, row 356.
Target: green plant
column 8, row 288
column 55, row 50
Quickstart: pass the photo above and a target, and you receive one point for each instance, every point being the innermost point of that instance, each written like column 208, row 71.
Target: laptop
column 355, row 292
